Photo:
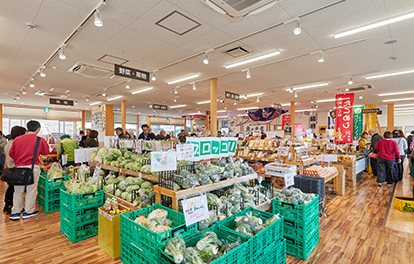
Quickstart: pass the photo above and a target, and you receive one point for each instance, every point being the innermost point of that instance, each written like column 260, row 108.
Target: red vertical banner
column 344, row 121
column 285, row 121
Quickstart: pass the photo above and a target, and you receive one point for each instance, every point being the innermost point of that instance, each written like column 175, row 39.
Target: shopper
column 398, row 136
column 219, row 134
column 120, row 133
column 387, row 150
column 128, row 136
column 92, row 141
column 21, row 152
column 363, row 146
column 8, row 198
column 161, row 135
column 67, row 146
column 375, row 137
column 181, row 135
column 3, row 143
column 146, row 133
column 82, row 138
column 409, row 151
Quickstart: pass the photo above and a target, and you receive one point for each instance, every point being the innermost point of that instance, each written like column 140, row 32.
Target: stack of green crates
column 300, row 226
column 48, row 192
column 79, row 214
column 267, row 246
column 141, row 245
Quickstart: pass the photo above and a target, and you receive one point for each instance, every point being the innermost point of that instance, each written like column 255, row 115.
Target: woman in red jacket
column 387, row 150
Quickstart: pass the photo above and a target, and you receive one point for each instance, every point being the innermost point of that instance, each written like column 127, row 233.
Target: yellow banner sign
column 371, row 118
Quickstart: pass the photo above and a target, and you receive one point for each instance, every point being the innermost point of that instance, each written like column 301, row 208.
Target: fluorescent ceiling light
column 287, row 104
column 305, row 110
column 114, row 98
column 399, row 99
column 204, row 102
column 198, row 113
column 389, row 74
column 247, row 108
column 403, row 108
column 242, row 115
column 374, row 25
column 221, row 111
column 403, row 105
column 223, row 117
column 215, row 7
column 252, row 59
column 387, row 94
column 403, row 113
column 143, row 90
column 326, row 100
column 96, row 103
column 177, row 106
column 263, row 8
column 254, row 95
column 184, row 78
column 307, row 86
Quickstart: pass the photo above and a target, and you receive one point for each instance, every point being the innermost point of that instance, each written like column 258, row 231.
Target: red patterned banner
column 285, row 121
column 344, row 121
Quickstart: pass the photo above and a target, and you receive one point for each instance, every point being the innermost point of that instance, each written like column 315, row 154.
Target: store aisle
column 353, row 232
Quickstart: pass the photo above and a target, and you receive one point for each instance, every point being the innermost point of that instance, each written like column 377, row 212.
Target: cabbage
column 123, row 185
column 124, row 195
column 129, row 189
column 118, row 193
column 138, row 181
column 146, row 169
column 128, row 155
column 115, row 163
column 77, row 191
column 146, row 185
column 84, row 173
column 123, row 150
column 116, row 153
column 55, row 171
column 87, row 188
column 109, row 188
column 101, row 154
column 121, row 178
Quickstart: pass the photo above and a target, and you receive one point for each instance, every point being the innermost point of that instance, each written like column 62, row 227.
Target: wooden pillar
column 74, row 128
column 109, row 120
column 149, row 121
column 185, row 125
column 1, row 119
column 292, row 117
column 123, row 115
column 390, row 117
column 137, row 126
column 207, row 122
column 83, row 120
column 213, row 106
column 192, row 126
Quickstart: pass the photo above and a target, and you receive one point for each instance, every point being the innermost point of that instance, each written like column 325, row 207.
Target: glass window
column 15, row 122
column 88, row 125
column 68, row 128
column 61, row 127
column 48, row 127
column 6, row 128
column 132, row 129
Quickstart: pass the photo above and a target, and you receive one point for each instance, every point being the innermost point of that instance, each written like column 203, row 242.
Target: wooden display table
column 122, row 201
column 178, row 195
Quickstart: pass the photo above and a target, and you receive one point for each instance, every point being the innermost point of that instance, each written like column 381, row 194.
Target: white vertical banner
column 205, row 148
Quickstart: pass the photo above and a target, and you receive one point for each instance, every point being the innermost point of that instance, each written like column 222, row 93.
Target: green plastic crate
column 131, row 254
column 52, row 183
column 259, row 242
column 51, row 194
column 299, row 248
column 297, row 212
column 81, row 201
column 274, row 254
column 147, row 240
column 300, row 230
column 78, row 217
column 235, row 256
column 79, row 233
column 49, row 206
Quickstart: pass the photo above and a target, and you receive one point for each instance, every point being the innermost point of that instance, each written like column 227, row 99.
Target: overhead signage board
column 234, row 96
column 372, row 111
column 160, row 107
column 132, row 73
column 60, row 102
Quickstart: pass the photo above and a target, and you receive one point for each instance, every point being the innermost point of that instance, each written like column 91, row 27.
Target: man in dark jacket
column 120, row 133
column 146, row 133
column 375, row 137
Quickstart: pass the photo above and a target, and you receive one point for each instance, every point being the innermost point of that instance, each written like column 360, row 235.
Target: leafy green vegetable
column 175, row 248
column 191, row 256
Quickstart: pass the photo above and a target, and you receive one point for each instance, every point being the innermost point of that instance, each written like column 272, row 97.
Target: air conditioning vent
column 51, row 94
column 238, row 9
column 359, row 88
column 90, row 71
column 237, row 52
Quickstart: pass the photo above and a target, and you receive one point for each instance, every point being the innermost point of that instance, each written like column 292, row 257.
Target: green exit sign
column 46, row 109
column 169, row 118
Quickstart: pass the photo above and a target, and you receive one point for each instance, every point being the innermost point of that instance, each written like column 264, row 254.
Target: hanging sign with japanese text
column 131, row 73
column 344, row 118
column 358, row 128
column 371, row 118
column 285, row 121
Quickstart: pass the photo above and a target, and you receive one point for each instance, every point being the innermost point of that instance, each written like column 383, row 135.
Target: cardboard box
column 109, row 238
column 404, row 204
column 276, row 169
column 281, row 182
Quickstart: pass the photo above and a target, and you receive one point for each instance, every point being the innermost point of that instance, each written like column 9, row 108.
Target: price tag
column 195, row 209
column 185, row 151
column 96, row 172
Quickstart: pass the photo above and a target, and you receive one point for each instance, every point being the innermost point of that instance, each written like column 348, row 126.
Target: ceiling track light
column 248, row 74
column 98, row 19
column 153, row 78
column 175, row 99
column 194, row 87
column 76, row 102
column 298, row 29
column 175, row 91
column 234, row 104
column 258, row 99
column 206, row 61
column 296, row 94
column 361, row 97
column 321, row 57
column 87, row 98
column 127, row 86
column 62, row 55
column 245, row 96
column 291, row 90
column 350, row 82
column 42, row 74
column 104, row 93
column 31, row 85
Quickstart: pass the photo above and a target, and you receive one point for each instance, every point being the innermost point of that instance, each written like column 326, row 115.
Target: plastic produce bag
column 192, row 256
column 55, row 171
column 175, row 248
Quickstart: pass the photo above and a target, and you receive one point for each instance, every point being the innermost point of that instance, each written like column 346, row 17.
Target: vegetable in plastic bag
column 271, row 220
column 209, row 253
column 190, row 182
column 212, row 199
column 209, row 239
column 191, row 256
column 55, row 171
column 175, row 248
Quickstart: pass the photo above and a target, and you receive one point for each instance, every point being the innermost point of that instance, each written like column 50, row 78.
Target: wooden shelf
column 123, row 202
column 178, row 195
column 257, row 159
column 123, row 171
column 264, row 206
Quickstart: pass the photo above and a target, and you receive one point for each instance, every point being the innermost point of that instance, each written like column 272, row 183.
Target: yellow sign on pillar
column 371, row 119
